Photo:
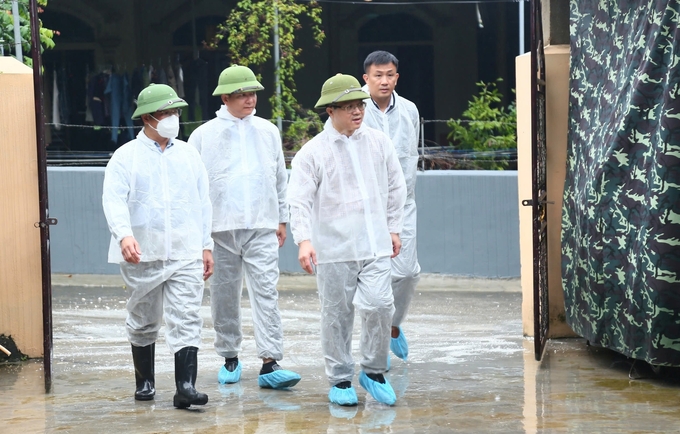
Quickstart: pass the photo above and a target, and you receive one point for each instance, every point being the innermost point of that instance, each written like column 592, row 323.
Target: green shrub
column 306, row 125
column 486, row 127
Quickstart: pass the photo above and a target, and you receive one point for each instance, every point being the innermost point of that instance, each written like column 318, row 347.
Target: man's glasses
column 349, row 108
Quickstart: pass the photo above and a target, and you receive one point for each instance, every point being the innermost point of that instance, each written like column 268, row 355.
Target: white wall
column 468, row 223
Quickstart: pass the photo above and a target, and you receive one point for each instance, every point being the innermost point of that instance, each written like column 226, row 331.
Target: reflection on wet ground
column 469, row 370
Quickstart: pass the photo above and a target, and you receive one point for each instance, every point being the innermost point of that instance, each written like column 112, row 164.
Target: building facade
column 444, row 49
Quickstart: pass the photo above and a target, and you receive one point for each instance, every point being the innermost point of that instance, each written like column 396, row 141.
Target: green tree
column 7, row 28
column 249, row 30
column 487, row 127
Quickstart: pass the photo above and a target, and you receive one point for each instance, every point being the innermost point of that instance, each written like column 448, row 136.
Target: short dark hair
column 380, row 58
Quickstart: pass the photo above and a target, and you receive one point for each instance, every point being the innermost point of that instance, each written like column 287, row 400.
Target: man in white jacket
column 158, row 210
column 398, row 118
column 346, row 196
column 244, row 159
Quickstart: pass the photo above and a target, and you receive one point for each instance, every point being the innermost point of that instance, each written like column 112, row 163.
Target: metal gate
column 45, row 219
column 538, row 201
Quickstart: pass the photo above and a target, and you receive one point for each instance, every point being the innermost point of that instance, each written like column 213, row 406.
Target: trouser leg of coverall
column 405, row 266
column 337, row 283
column 182, row 303
column 170, row 289
column 261, row 266
column 344, row 287
column 375, row 304
column 145, row 305
column 225, row 295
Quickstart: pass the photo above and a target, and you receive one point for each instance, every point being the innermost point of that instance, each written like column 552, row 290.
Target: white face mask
column 167, row 127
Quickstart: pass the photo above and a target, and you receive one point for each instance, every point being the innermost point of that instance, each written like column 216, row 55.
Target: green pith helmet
column 237, row 78
column 340, row 88
column 157, row 97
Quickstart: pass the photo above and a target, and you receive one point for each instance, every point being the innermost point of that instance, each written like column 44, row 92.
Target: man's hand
column 396, row 245
column 208, row 264
column 281, row 234
column 130, row 250
column 307, row 256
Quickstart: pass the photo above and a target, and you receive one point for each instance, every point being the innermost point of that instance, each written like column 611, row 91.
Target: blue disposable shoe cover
column 399, row 346
column 226, row 377
column 345, row 397
column 381, row 392
column 279, row 379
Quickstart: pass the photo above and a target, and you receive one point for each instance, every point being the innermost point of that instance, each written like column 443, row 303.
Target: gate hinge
column 51, row 221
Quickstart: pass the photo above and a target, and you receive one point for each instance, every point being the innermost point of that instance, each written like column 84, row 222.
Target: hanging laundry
column 162, row 77
column 88, row 109
column 118, row 90
column 172, row 81
column 64, row 95
column 56, row 120
column 179, row 74
column 97, row 98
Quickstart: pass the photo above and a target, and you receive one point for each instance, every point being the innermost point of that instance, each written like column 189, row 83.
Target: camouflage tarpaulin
column 621, row 215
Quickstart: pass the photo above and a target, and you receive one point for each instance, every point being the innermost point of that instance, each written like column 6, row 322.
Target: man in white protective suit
column 398, row 118
column 244, row 159
column 346, row 196
column 158, row 210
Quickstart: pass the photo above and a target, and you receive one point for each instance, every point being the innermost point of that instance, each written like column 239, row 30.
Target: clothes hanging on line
column 120, row 103
column 56, row 119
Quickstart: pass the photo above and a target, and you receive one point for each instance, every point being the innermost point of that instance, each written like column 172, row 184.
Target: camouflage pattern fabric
column 621, row 214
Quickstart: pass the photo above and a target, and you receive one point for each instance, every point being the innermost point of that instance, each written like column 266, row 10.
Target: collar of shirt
column 393, row 101
column 147, row 141
column 223, row 113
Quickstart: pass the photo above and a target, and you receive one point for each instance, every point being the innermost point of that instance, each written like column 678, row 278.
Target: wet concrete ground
column 469, row 370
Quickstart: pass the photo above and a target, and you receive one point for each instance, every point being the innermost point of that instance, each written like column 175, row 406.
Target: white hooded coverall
column 161, row 199
column 247, row 174
column 401, row 123
column 346, row 196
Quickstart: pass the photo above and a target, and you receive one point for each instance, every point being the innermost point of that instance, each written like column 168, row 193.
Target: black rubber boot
column 186, row 367
column 143, row 358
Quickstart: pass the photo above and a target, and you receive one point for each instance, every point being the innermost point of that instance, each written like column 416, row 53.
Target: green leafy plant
column 7, row 28
column 301, row 130
column 249, row 30
column 487, row 127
